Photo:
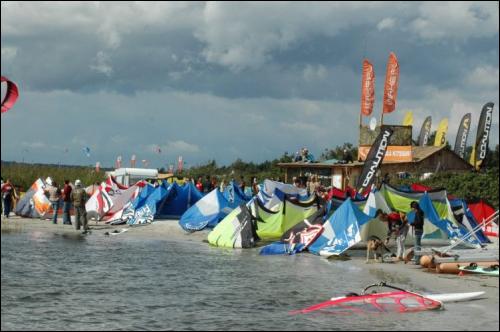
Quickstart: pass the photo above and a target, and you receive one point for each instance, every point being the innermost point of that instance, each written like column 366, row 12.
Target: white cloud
column 314, row 73
column 457, row 20
column 386, row 23
column 302, row 127
column 180, row 146
column 79, row 141
column 34, row 145
column 484, row 76
column 9, row 53
column 246, row 35
column 101, row 64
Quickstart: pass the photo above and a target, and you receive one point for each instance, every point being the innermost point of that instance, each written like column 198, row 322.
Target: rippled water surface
column 68, row 282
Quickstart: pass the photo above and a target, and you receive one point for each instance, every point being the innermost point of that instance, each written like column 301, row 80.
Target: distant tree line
column 471, row 185
column 23, row 175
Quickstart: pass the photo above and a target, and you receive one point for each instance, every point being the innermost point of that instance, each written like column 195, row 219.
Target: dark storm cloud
column 224, row 80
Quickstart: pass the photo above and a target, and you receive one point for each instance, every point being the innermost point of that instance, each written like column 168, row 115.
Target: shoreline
column 414, row 277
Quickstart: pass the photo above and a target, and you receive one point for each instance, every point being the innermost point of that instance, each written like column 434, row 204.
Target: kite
column 10, row 96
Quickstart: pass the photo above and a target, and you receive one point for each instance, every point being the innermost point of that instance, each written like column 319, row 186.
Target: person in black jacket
column 418, row 227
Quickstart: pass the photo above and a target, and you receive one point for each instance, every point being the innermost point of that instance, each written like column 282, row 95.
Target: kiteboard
column 474, row 268
column 447, row 297
column 454, row 297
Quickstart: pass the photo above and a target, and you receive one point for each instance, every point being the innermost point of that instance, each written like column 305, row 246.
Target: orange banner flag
column 367, row 88
column 391, row 84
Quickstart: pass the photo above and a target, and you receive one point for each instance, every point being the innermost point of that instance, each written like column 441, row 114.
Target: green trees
column 470, row 185
column 23, row 175
column 338, row 152
column 265, row 170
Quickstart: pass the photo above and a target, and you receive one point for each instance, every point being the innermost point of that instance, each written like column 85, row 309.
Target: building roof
column 419, row 153
column 423, row 152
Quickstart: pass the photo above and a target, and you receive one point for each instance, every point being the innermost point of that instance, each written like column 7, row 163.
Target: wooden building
column 426, row 159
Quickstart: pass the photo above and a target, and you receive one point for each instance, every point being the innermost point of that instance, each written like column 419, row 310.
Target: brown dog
column 376, row 246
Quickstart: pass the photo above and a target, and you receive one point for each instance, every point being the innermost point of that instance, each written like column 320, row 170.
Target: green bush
column 470, row 185
column 23, row 175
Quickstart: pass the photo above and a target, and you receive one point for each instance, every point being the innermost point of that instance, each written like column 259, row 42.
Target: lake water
column 57, row 282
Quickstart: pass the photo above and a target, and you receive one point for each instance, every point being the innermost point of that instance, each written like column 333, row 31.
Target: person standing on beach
column 255, row 186
column 313, row 185
column 242, row 184
column 199, row 185
column 214, row 183
column 222, row 185
column 207, row 185
column 398, row 225
column 66, row 196
column 79, row 198
column 8, row 194
column 54, row 196
column 418, row 228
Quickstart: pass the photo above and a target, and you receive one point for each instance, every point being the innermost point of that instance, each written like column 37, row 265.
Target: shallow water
column 56, row 282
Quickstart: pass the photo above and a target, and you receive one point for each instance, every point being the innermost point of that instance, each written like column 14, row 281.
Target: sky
column 222, row 80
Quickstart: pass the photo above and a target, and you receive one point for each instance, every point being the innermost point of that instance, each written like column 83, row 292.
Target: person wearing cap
column 54, row 193
column 79, row 198
column 418, row 228
column 66, row 197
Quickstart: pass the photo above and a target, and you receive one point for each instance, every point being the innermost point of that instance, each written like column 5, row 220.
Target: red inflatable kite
column 10, row 96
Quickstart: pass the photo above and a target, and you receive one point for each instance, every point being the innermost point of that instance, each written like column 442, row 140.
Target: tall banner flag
column 132, row 161
column 367, row 88
column 440, row 138
column 118, row 162
column 462, row 134
column 374, row 159
column 425, row 132
column 391, row 85
column 180, row 164
column 483, row 135
column 408, row 120
column 97, row 167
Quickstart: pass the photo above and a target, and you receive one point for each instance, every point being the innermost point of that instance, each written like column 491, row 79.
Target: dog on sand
column 376, row 246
